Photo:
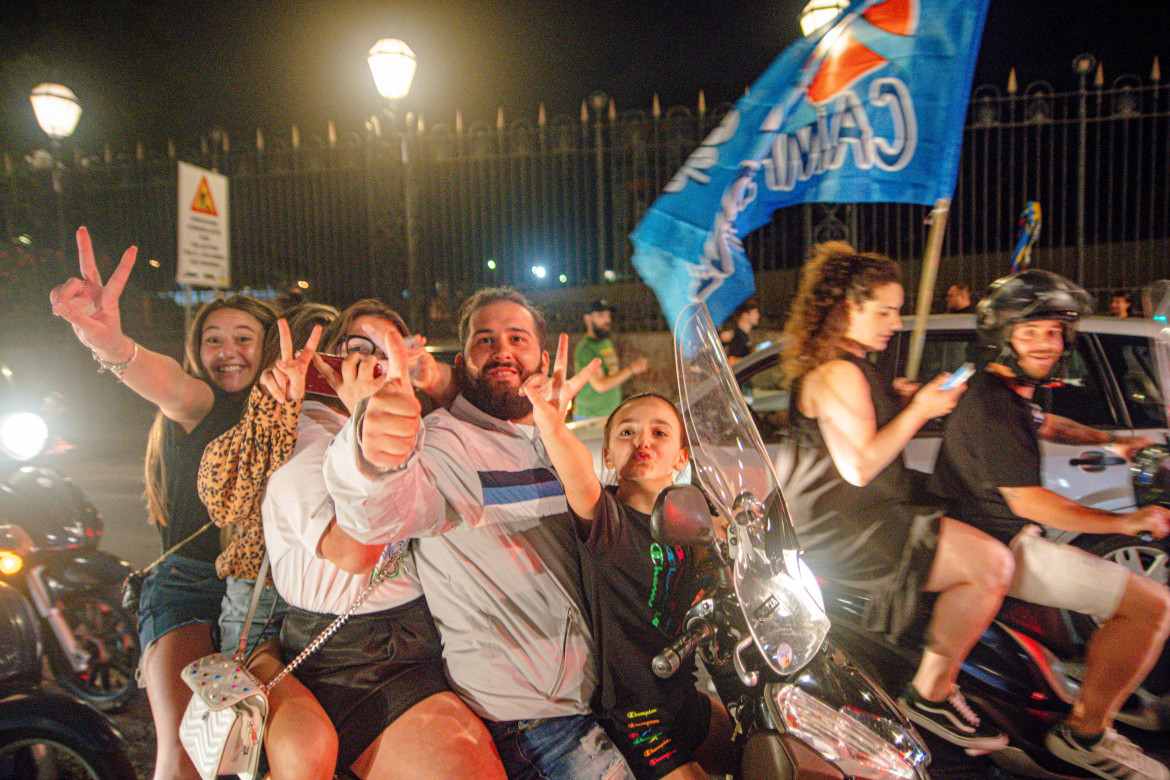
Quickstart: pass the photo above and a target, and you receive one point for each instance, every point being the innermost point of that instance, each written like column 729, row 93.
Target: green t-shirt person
column 589, row 402
column 603, row 393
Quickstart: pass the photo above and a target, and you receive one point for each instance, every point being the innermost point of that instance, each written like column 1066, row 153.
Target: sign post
column 204, row 245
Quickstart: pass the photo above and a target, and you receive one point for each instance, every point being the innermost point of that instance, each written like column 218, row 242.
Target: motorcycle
column 42, row 733
column 801, row 707
column 54, row 562
column 1022, row 672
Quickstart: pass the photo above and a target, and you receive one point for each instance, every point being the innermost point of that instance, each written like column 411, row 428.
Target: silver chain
column 391, row 564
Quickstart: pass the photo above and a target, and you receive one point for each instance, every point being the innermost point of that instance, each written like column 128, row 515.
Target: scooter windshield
column 779, row 595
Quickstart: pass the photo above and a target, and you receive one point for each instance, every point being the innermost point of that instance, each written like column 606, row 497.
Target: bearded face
column 501, row 400
column 501, row 352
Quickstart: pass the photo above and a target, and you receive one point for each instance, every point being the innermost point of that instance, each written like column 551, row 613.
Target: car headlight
column 840, row 736
column 22, row 435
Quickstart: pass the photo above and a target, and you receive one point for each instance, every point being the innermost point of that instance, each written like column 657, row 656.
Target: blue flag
column 867, row 109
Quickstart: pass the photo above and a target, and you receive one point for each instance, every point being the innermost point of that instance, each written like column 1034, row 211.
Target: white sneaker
column 1113, row 757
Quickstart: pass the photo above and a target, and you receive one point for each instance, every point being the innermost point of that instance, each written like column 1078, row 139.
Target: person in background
column 989, row 469
column 959, row 299
column 862, row 518
column 181, row 599
column 1119, row 305
column 738, row 341
column 603, row 393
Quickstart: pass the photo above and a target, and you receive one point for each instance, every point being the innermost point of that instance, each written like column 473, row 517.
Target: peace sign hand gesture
column 90, row 307
column 285, row 380
column 551, row 395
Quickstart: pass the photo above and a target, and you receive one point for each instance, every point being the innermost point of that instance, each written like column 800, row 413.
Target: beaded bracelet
column 117, row 369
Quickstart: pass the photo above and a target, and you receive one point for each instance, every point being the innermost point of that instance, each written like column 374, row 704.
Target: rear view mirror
column 681, row 516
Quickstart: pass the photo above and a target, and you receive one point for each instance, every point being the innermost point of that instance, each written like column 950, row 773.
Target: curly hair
column 835, row 273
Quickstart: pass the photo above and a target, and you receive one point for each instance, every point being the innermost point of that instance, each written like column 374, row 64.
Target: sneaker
column 1113, row 757
column 953, row 719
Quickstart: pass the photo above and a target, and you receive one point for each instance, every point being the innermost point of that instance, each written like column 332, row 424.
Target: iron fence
column 431, row 213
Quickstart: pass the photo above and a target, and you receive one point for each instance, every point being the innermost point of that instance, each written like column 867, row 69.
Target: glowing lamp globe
column 818, row 13
column 56, row 108
column 392, row 63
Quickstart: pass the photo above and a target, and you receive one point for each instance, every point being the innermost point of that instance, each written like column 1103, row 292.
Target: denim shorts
column 573, row 747
column 178, row 592
column 265, row 623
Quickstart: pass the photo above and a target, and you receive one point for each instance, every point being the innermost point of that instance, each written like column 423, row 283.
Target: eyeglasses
column 361, row 345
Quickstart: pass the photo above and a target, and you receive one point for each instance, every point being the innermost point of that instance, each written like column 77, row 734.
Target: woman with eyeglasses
column 181, row 599
column 378, row 702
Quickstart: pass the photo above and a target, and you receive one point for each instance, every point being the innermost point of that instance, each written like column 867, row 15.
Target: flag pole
column 938, row 223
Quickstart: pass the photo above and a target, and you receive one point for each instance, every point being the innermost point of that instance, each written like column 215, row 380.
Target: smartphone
column 961, row 375
column 316, row 384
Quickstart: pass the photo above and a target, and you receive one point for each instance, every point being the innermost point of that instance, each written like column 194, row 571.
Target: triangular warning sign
column 203, row 202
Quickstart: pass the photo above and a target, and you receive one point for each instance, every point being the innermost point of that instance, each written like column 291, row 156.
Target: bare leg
column 437, row 738
column 971, row 573
column 169, row 695
column 1121, row 653
column 300, row 739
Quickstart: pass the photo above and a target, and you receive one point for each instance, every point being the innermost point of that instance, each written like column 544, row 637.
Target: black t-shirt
column 989, row 443
column 637, row 592
column 740, row 344
column 181, row 453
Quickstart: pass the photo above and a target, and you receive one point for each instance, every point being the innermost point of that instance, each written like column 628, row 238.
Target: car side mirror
column 681, row 516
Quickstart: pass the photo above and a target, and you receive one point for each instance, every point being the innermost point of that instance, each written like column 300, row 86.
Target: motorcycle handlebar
column 671, row 659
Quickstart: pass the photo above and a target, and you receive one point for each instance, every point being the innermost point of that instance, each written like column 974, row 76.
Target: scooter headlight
column 840, row 736
column 22, row 435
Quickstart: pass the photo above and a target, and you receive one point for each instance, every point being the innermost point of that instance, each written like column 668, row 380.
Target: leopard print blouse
column 234, row 471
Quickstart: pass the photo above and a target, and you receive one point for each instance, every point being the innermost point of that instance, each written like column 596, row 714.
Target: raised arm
column 92, row 309
column 550, row 398
column 840, row 399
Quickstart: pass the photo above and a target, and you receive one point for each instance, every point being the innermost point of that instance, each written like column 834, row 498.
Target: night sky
column 151, row 70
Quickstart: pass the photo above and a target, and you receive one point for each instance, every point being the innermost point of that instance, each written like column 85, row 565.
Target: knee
column 1154, row 600
column 306, row 754
column 996, row 567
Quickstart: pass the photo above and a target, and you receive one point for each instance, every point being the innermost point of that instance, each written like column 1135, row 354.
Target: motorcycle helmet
column 1032, row 294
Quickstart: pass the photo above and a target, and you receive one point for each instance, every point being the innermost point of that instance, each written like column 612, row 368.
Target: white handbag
column 223, row 725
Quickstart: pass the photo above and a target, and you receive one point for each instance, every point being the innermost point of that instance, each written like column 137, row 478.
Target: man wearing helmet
column 989, row 470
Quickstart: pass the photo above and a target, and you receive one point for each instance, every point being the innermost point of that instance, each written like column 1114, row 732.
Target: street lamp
column 818, row 13
column 57, row 112
column 392, row 65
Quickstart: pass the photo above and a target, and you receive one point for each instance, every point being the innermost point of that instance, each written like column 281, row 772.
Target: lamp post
column 57, row 112
column 392, row 64
column 1082, row 65
column 819, row 12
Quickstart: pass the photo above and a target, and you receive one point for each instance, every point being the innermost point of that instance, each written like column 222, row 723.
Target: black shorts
column 375, row 668
column 657, row 737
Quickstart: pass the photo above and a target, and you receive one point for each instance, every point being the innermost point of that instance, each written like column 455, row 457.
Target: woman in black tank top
column 852, row 497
